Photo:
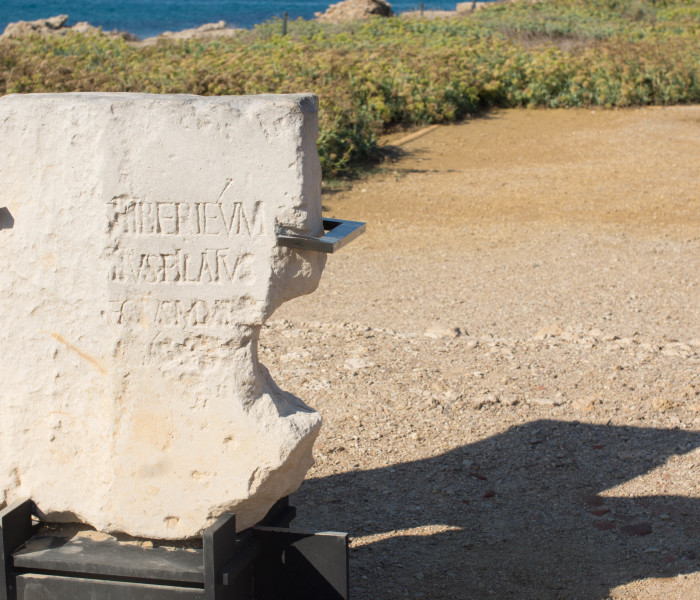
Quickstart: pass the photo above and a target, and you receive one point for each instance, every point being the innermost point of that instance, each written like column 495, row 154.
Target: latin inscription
column 166, row 314
column 178, row 267
column 187, row 218
column 182, row 264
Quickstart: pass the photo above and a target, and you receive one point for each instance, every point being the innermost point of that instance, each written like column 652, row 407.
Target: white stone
column 548, row 331
column 437, row 332
column 138, row 238
column 546, row 401
column 357, row 363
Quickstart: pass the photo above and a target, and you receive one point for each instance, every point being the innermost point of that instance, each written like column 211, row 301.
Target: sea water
column 146, row 18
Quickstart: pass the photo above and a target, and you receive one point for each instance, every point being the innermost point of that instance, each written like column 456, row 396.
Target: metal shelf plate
column 339, row 233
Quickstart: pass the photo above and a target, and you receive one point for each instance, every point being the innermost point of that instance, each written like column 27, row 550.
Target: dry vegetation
column 372, row 77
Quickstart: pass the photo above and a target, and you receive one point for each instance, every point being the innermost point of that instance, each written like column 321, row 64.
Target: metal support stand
column 270, row 561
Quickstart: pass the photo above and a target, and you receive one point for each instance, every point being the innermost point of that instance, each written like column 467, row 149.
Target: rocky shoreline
column 58, row 26
column 341, row 12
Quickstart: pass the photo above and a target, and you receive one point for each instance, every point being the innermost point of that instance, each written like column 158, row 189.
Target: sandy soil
column 508, row 362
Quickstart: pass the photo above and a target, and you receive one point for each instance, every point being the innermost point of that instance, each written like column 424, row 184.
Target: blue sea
column 146, row 18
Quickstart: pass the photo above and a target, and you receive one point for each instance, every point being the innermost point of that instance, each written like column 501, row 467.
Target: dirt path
column 508, row 362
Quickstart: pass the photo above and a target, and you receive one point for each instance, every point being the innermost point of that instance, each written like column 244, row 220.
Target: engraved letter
column 171, row 264
column 186, row 218
column 149, row 224
column 226, row 270
column 254, row 226
column 124, row 219
column 166, row 315
column 212, row 224
column 167, row 217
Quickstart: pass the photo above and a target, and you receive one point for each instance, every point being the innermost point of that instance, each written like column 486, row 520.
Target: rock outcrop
column 140, row 262
column 55, row 26
column 206, row 31
column 40, row 26
column 354, row 10
column 58, row 26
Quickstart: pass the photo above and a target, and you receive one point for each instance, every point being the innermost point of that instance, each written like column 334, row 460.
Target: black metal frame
column 270, row 561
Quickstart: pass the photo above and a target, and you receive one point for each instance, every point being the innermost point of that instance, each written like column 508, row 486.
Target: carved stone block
column 139, row 264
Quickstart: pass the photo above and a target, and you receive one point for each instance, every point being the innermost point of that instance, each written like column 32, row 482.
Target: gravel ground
column 508, row 362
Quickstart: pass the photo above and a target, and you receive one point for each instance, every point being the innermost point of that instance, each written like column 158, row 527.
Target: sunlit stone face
column 141, row 262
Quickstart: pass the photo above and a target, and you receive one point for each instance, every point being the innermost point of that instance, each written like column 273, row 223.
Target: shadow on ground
column 531, row 513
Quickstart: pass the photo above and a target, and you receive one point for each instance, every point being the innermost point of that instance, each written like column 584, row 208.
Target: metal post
column 422, row 8
column 285, row 18
column 15, row 529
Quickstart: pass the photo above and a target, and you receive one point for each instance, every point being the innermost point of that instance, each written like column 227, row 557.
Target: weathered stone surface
column 139, row 262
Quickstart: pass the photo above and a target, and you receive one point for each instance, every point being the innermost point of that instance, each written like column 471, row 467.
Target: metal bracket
column 267, row 562
column 15, row 529
column 340, row 233
column 300, row 565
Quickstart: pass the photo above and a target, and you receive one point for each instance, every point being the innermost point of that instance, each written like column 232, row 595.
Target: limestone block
column 138, row 241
